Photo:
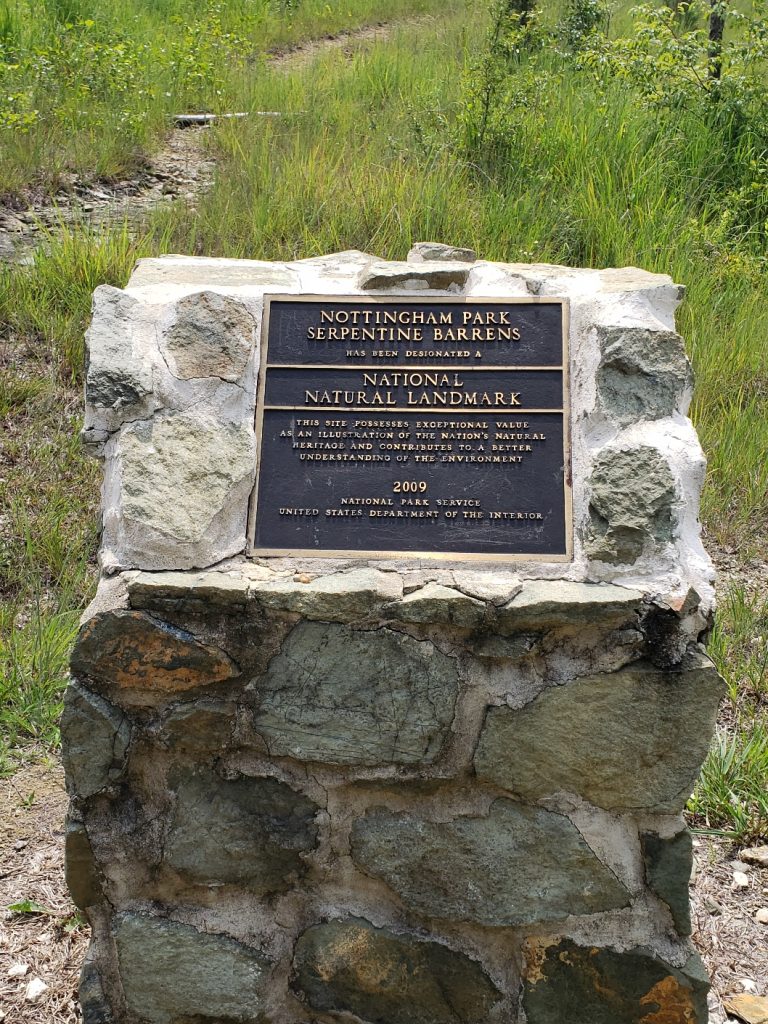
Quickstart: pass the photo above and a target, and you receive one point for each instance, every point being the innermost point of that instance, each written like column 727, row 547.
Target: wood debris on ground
column 40, row 951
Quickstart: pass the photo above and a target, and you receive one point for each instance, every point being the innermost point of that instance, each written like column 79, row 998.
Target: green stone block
column 94, row 739
column 81, row 872
column 628, row 740
column 569, row 984
column 172, row 973
column 384, row 977
column 515, row 866
column 668, row 864
column 248, row 832
column 364, row 697
column 632, row 492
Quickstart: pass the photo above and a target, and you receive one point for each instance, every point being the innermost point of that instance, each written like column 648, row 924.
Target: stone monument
column 392, row 693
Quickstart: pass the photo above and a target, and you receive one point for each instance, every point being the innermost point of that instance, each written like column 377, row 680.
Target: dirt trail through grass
column 179, row 172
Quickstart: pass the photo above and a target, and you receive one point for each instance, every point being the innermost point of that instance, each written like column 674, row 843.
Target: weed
column 27, row 906
column 583, row 19
column 739, row 644
column 731, row 798
column 50, row 301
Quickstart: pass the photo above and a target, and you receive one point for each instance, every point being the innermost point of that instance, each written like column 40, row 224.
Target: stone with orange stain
column 669, row 1002
column 563, row 981
column 387, row 977
column 140, row 660
column 748, row 1008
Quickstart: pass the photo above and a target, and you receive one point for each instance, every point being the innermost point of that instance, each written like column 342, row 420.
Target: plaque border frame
column 442, row 556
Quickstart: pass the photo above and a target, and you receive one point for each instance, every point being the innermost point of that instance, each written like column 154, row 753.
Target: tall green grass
column 87, row 87
column 48, row 512
column 371, row 157
column 731, row 795
column 49, row 490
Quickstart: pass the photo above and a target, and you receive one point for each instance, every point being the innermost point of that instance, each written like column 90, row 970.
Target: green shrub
column 583, row 19
column 504, row 86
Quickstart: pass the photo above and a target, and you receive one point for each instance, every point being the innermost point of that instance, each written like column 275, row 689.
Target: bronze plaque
column 394, row 427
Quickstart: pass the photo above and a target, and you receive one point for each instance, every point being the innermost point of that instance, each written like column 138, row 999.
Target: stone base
column 426, row 797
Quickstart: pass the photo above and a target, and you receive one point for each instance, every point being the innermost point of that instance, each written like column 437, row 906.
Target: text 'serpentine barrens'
column 410, row 426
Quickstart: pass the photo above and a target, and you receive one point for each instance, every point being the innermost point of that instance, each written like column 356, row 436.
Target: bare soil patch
column 179, row 172
column 44, row 948
column 302, row 54
column 732, row 943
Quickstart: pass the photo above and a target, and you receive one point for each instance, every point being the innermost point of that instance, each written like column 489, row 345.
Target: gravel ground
column 37, row 948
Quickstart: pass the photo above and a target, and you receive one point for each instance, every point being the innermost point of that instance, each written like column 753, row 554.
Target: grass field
column 87, row 86
column 381, row 146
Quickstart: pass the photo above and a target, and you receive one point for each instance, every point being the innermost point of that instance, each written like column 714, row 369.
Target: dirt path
column 180, row 172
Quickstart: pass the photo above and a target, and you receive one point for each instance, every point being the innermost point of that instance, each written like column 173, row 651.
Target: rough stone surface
column 668, row 864
column 356, row 697
column 756, row 855
column 384, row 776
column 656, row 287
column 142, row 660
column 340, row 597
column 748, row 1008
column 437, row 604
column 589, row 985
column 621, row 318
column 643, row 374
column 497, row 588
column 515, row 866
column 118, row 374
column 337, row 266
column 147, row 588
column 95, row 738
column 545, row 604
column 502, row 648
column 199, row 272
column 248, row 832
column 80, row 870
column 633, row 739
column 425, row 252
column 173, row 973
column 204, row 729
column 387, row 978
column 632, row 492
column 211, row 335
column 179, row 471
column 94, row 1004
column 414, row 277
